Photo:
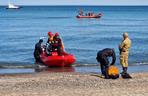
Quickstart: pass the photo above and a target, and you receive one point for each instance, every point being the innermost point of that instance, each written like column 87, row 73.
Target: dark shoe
column 122, row 73
column 126, row 76
column 114, row 76
column 107, row 77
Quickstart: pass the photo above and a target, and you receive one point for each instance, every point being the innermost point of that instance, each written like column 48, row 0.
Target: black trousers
column 37, row 58
column 104, row 64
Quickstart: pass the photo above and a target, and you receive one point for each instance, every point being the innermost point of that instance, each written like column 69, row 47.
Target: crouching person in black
column 102, row 57
column 38, row 51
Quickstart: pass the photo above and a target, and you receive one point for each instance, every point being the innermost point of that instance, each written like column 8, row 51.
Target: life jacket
column 50, row 40
column 63, row 48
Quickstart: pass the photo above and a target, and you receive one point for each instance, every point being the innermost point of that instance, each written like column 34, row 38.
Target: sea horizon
column 83, row 5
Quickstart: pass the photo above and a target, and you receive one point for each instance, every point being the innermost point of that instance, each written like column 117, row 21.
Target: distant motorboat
column 11, row 6
column 88, row 15
column 93, row 16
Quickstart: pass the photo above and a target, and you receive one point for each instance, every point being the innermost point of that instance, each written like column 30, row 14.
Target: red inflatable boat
column 65, row 60
column 95, row 16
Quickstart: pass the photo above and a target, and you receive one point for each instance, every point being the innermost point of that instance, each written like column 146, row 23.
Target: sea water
column 21, row 29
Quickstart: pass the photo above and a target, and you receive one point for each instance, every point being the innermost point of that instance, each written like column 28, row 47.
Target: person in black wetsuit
column 102, row 57
column 38, row 51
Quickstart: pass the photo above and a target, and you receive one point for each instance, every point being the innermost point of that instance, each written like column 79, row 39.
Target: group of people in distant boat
column 81, row 13
column 54, row 44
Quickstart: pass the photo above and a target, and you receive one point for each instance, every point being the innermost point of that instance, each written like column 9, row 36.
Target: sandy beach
column 72, row 84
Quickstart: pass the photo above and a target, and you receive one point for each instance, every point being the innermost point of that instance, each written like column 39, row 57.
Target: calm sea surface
column 21, row 29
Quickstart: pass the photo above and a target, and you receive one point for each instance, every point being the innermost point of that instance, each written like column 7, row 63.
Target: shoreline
column 81, row 69
column 72, row 84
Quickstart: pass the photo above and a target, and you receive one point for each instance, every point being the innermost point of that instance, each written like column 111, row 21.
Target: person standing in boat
column 38, row 51
column 57, row 44
column 102, row 57
column 48, row 44
column 80, row 12
column 50, row 37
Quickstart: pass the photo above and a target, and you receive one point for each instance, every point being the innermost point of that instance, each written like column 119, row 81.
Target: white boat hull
column 11, row 6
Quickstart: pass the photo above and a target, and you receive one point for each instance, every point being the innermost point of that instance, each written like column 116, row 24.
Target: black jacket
column 107, row 52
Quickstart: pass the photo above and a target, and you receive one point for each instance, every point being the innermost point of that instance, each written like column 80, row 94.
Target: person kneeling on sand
column 102, row 57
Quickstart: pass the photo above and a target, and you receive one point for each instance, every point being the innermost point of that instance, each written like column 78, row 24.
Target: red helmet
column 56, row 34
column 49, row 33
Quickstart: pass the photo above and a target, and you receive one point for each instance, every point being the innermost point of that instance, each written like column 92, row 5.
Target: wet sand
column 72, row 84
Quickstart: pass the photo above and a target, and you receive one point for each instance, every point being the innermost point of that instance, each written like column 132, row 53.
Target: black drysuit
column 37, row 52
column 102, row 57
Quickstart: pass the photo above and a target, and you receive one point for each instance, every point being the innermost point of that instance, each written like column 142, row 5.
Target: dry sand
column 72, row 84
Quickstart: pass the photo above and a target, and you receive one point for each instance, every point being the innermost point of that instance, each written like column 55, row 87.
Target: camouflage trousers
column 124, row 59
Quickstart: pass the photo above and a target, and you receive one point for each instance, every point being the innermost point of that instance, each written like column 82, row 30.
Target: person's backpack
column 113, row 72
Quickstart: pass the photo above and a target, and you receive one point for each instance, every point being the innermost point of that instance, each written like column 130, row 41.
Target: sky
column 75, row 2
